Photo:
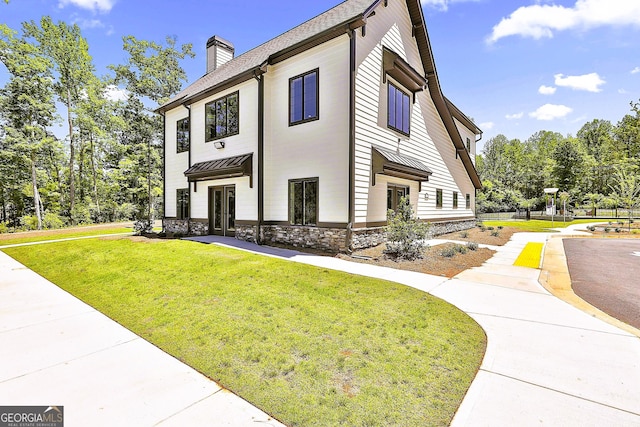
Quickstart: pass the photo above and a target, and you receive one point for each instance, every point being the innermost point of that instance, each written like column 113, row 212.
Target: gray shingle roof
column 343, row 13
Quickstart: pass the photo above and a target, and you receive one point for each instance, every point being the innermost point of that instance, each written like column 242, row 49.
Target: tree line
column 109, row 166
column 598, row 168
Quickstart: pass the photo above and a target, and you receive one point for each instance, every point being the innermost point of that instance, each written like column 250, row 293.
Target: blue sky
column 514, row 66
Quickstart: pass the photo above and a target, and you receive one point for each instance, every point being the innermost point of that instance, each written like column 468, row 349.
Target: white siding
column 176, row 163
column 315, row 149
column 465, row 133
column 429, row 141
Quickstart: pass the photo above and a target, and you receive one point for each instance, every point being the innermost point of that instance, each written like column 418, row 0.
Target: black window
column 468, row 201
column 222, row 117
column 399, row 110
column 182, row 203
column 468, row 145
column 438, row 198
column 303, row 201
column 455, row 200
column 303, row 98
column 394, row 194
column 182, row 135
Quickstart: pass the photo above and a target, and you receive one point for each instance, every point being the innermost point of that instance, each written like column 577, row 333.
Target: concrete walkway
column 547, row 362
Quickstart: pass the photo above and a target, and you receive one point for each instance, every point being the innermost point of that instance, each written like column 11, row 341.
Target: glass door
column 222, row 210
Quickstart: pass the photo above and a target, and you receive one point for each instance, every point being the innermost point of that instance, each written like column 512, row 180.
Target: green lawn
column 537, row 225
column 38, row 236
column 309, row 346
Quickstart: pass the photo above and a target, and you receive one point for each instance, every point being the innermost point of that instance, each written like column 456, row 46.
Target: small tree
column 406, row 235
column 627, row 188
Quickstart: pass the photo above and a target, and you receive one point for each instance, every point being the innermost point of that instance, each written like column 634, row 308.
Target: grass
column 41, row 236
column 310, row 346
column 530, row 255
column 536, row 225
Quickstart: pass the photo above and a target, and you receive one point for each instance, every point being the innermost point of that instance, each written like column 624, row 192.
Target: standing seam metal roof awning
column 388, row 162
column 229, row 167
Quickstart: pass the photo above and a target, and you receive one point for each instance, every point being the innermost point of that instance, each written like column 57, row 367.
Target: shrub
column 483, row 229
column 495, row 233
column 617, row 230
column 472, row 246
column 461, row 249
column 490, row 228
column 500, row 227
column 449, row 252
column 143, row 226
column 591, row 227
column 405, row 233
column 3, row 228
column 464, row 235
column 52, row 221
column 607, row 229
column 29, row 222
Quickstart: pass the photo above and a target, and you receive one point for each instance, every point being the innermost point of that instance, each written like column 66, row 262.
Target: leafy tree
column 594, row 200
column 68, row 51
column 152, row 72
column 26, row 103
column 627, row 187
column 568, row 163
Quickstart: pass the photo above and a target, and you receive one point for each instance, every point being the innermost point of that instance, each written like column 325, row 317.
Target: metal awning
column 389, row 162
column 229, row 167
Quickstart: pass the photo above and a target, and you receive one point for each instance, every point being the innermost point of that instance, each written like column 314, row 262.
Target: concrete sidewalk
column 57, row 350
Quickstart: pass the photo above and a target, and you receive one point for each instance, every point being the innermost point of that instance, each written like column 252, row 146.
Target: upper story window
column 399, row 110
column 222, row 117
column 182, row 135
column 468, row 201
column 468, row 144
column 304, row 98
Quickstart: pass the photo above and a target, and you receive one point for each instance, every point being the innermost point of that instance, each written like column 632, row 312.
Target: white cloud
column 623, row 91
column 547, row 90
column 589, row 82
column 93, row 5
column 114, row 93
column 542, row 20
column 87, row 24
column 487, row 125
column 635, row 70
column 550, row 112
column 515, row 116
column 443, row 5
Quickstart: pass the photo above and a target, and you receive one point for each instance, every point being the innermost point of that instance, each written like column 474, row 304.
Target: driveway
column 606, row 274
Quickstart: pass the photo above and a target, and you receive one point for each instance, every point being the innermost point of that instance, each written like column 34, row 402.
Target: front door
column 222, row 210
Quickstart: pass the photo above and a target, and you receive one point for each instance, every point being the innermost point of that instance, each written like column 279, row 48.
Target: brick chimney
column 219, row 51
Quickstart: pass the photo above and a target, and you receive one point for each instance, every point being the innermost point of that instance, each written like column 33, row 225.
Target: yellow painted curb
column 530, row 255
column 555, row 278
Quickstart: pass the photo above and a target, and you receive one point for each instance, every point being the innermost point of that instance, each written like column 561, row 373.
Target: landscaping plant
column 406, row 234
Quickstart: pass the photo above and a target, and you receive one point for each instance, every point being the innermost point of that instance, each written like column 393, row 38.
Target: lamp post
column 552, row 191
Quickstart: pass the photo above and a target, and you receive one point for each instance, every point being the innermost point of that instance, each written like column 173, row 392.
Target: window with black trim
column 222, row 117
column 182, row 135
column 468, row 201
column 394, row 194
column 182, row 203
column 398, row 109
column 304, row 98
column 303, row 201
column 455, row 200
column 468, row 144
column 438, row 198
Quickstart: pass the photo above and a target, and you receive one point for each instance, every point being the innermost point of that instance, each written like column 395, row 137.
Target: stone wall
column 185, row 227
column 439, row 228
column 328, row 239
column 246, row 233
column 367, row 237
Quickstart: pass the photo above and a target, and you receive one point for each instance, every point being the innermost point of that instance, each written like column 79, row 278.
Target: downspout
column 188, row 107
column 164, row 170
column 259, row 76
column 352, row 140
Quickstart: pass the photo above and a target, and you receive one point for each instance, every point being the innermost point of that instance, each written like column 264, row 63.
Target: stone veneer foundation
column 328, row 239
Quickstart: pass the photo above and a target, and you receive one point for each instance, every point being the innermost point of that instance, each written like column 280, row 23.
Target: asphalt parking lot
column 606, row 274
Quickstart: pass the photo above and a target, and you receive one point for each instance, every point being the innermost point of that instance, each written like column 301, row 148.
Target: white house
column 309, row 138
